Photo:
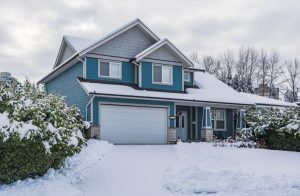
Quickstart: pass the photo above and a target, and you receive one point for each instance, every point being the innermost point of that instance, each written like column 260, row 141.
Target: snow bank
column 204, row 169
column 64, row 181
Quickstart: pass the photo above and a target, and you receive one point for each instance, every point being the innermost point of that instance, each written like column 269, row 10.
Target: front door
column 181, row 125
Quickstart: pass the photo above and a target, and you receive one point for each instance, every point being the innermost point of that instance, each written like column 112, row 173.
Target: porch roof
column 192, row 94
column 211, row 90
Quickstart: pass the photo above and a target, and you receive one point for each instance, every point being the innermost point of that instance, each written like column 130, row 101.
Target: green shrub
column 275, row 128
column 37, row 131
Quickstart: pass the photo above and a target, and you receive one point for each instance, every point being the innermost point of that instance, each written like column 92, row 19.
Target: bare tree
column 209, row 64
column 293, row 76
column 264, row 68
column 195, row 57
column 275, row 70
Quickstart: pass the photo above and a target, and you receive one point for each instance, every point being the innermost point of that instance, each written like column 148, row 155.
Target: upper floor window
column 110, row 69
column 162, row 74
column 187, row 77
column 218, row 119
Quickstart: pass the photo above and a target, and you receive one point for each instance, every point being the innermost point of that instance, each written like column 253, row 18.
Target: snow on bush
column 65, row 181
column 201, row 168
column 275, row 128
column 37, row 131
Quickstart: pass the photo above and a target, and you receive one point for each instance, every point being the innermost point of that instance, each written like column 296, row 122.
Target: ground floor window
column 218, row 119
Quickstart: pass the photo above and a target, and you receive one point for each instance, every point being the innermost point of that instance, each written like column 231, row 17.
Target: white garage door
column 133, row 125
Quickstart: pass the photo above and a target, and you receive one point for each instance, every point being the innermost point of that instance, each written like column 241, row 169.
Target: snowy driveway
column 136, row 170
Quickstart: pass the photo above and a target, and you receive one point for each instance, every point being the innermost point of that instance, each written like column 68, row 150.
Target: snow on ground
column 168, row 170
column 201, row 168
column 135, row 170
column 64, row 181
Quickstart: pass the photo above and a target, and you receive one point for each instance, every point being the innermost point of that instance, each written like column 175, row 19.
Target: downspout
column 138, row 71
column 83, row 66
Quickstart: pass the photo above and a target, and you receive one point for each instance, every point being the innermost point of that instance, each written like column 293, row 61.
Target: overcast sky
column 31, row 30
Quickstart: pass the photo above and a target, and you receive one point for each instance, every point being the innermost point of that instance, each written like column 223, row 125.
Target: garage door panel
column 136, row 125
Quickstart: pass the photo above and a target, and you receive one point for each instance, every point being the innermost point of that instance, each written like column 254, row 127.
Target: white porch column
column 240, row 120
column 206, row 131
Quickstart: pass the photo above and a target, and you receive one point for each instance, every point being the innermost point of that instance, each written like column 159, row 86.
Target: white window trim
column 162, row 83
column 189, row 78
column 215, row 120
column 110, row 62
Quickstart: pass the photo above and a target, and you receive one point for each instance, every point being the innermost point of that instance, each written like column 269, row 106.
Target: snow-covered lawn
column 168, row 170
column 201, row 168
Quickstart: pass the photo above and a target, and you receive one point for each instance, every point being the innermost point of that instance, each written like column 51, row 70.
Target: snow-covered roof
column 211, row 90
column 81, row 46
column 78, row 43
column 260, row 100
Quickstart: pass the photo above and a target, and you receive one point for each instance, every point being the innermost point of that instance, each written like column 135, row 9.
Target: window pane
column 213, row 124
column 157, row 73
column 167, row 75
column 115, row 69
column 186, row 77
column 104, row 68
column 220, row 124
column 220, row 115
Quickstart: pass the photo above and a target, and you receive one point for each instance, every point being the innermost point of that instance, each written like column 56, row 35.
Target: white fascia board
column 158, row 45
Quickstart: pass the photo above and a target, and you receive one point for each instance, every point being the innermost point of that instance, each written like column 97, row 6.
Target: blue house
column 137, row 88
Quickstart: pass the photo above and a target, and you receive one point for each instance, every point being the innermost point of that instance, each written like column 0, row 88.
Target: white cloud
column 31, row 31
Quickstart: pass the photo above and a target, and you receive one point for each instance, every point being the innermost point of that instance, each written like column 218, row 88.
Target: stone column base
column 207, row 134
column 94, row 132
column 172, row 135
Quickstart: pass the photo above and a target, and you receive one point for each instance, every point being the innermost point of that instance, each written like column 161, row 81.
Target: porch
column 202, row 122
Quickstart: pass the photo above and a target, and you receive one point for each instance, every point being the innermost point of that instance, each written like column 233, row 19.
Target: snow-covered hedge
column 275, row 128
column 37, row 131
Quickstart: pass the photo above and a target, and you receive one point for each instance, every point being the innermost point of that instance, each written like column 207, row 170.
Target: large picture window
column 162, row 74
column 109, row 69
column 218, row 119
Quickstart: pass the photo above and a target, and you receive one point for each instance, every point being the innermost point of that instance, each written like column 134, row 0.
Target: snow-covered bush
column 37, row 131
column 275, row 128
column 242, row 140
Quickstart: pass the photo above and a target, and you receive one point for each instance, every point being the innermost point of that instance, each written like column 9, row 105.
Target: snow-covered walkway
column 130, row 171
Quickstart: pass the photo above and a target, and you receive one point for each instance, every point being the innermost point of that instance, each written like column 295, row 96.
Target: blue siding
column 147, row 78
column 128, row 71
column 98, row 100
column 191, row 83
column 66, row 84
column 229, row 126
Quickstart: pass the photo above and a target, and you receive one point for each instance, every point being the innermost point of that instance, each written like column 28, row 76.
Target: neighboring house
column 264, row 90
column 6, row 77
column 139, row 89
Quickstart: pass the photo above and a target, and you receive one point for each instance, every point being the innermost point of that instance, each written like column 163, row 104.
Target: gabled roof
column 136, row 22
column 159, row 44
column 78, row 43
column 82, row 46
